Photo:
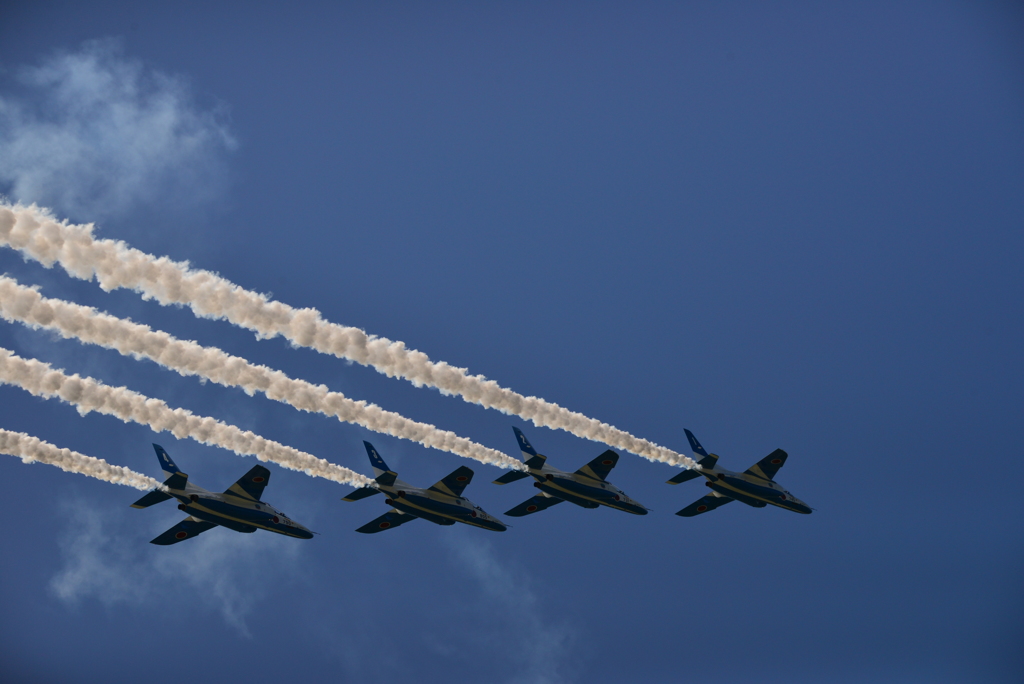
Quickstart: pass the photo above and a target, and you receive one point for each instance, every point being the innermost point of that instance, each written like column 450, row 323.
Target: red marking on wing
column 531, row 509
column 181, row 535
column 258, row 479
column 385, row 525
column 701, row 508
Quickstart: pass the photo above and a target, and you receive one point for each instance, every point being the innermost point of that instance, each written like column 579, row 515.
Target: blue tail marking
column 375, row 460
column 165, row 460
column 694, row 444
column 524, row 444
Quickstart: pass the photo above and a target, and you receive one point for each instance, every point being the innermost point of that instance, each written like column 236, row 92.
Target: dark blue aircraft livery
column 587, row 487
column 442, row 503
column 754, row 486
column 238, row 509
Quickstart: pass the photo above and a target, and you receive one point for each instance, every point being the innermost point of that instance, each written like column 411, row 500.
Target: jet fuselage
column 752, row 490
column 582, row 490
column 437, row 507
column 235, row 512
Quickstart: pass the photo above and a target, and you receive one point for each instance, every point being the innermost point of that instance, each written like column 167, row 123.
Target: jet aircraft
column 754, row 486
column 587, row 487
column 442, row 504
column 238, row 509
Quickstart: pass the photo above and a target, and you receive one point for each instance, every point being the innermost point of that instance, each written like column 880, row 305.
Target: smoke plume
column 87, row 394
column 25, row 305
column 115, row 265
column 32, row 449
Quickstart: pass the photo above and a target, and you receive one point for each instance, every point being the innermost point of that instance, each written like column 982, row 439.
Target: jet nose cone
column 304, row 534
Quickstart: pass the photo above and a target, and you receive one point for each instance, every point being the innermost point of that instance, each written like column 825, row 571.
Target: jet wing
column 708, row 503
column 454, row 484
column 769, row 465
column 392, row 518
column 251, row 485
column 186, row 529
column 600, row 466
column 537, row 503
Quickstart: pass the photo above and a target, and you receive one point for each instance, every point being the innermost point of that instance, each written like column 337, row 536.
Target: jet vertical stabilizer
column 384, row 475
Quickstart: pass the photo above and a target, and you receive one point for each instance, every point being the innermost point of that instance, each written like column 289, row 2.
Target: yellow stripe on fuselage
column 784, row 503
column 576, row 495
column 217, row 514
column 470, row 521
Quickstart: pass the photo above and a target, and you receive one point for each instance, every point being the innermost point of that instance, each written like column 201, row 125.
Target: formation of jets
column 239, row 508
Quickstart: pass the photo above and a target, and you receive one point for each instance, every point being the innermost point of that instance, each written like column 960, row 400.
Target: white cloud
column 98, row 134
column 227, row 571
column 539, row 645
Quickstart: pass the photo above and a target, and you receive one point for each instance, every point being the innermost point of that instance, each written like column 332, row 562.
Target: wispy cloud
column 227, row 572
column 96, row 134
column 539, row 644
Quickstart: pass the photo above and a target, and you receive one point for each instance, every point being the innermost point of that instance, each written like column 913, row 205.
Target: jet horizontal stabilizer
column 511, row 476
column 684, row 476
column 361, row 493
column 153, row 497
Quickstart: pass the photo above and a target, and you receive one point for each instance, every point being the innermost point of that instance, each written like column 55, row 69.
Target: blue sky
column 796, row 226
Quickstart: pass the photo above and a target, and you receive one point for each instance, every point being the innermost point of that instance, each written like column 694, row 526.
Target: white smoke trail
column 38, row 235
column 25, row 305
column 32, row 449
column 87, row 394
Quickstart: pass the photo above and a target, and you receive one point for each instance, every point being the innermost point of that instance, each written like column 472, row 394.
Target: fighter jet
column 238, row 509
column 442, row 504
column 754, row 486
column 587, row 487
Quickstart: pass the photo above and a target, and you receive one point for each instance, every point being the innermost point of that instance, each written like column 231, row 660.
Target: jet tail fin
column 169, row 467
column 175, row 480
column 530, row 455
column 381, row 472
column 705, row 459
